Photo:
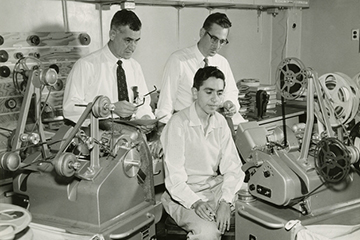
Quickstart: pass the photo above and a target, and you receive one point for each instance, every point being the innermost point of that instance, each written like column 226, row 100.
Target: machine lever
column 252, row 164
column 150, row 220
column 290, row 224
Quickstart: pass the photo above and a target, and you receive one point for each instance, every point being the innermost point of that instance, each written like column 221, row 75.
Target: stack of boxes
column 247, row 95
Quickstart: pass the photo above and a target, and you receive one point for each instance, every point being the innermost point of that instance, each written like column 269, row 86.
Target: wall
column 49, row 16
column 326, row 36
column 165, row 30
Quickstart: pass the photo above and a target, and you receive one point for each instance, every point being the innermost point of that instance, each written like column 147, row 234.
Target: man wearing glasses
column 182, row 65
column 100, row 72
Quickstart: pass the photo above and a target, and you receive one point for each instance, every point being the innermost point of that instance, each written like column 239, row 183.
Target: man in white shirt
column 96, row 74
column 202, row 166
column 175, row 93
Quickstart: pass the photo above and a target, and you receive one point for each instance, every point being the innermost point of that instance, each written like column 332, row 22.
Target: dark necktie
column 121, row 81
column 206, row 62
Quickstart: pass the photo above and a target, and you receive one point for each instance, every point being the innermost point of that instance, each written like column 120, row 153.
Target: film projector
column 303, row 175
column 98, row 184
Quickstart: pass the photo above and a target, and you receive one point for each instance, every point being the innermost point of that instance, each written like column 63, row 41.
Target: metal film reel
column 291, row 78
column 356, row 79
column 343, row 95
column 333, row 160
column 354, row 140
column 356, row 99
column 21, row 68
column 13, row 220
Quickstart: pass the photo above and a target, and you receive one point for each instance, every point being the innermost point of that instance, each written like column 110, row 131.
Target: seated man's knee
column 206, row 230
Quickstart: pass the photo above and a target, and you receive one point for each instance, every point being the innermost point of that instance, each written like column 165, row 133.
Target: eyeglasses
column 216, row 40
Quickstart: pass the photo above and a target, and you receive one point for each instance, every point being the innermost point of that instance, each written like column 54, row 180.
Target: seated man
column 202, row 166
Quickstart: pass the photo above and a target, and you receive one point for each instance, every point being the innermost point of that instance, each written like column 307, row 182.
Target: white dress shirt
column 192, row 157
column 178, row 78
column 95, row 75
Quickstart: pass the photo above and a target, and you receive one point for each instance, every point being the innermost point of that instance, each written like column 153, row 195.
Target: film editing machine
column 98, row 183
column 307, row 174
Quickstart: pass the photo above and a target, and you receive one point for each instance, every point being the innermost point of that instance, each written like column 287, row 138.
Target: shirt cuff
column 227, row 198
column 231, row 204
column 189, row 203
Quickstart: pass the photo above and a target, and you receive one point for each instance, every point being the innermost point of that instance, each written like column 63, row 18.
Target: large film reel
column 13, row 220
column 354, row 137
column 291, row 78
column 333, row 160
column 343, row 94
column 356, row 79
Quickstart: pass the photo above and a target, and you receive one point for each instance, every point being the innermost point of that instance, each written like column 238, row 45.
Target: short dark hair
column 219, row 18
column 125, row 17
column 205, row 73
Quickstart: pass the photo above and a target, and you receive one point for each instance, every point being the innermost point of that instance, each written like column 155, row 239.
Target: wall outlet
column 355, row 34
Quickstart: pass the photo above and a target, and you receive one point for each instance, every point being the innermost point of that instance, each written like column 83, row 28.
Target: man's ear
column 194, row 92
column 112, row 34
column 202, row 32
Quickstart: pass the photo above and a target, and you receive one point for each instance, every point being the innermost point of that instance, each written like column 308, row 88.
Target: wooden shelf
column 227, row 4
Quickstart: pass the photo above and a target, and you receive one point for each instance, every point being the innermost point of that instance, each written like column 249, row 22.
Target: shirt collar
column 198, row 55
column 195, row 120
column 111, row 56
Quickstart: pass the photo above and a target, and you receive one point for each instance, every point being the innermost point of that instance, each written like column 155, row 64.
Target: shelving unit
column 228, row 4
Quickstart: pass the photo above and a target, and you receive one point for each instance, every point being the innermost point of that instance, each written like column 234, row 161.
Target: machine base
column 262, row 221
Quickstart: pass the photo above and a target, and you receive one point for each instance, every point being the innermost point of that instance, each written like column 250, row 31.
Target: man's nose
column 132, row 45
column 217, row 43
column 215, row 97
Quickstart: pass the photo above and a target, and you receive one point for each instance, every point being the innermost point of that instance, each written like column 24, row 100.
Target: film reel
column 22, row 66
column 333, row 160
column 343, row 94
column 354, row 140
column 13, row 219
column 356, row 79
column 356, row 100
column 291, row 78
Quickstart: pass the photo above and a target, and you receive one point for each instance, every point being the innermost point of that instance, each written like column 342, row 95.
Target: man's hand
column 204, row 210
column 124, row 109
column 160, row 127
column 223, row 217
column 229, row 109
column 156, row 149
column 147, row 128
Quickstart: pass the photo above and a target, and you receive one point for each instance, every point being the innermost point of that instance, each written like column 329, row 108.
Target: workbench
column 274, row 117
